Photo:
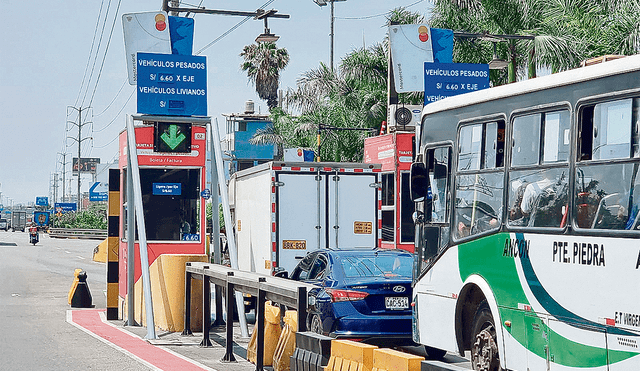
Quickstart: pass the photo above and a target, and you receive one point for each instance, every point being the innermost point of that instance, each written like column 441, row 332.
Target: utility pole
column 79, row 140
column 55, row 187
column 64, row 171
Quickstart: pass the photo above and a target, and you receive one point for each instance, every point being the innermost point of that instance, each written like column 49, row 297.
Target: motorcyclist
column 33, row 233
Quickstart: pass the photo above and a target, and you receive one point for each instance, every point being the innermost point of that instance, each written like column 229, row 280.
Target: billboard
column 144, row 32
column 411, row 46
column 87, row 165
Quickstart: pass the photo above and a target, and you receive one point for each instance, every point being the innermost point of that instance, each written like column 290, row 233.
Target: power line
column 86, row 68
column 231, row 29
column 104, row 57
column 106, row 15
column 377, row 15
column 117, row 114
column 113, row 100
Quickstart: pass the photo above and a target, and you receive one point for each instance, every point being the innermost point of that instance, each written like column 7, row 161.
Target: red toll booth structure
column 395, row 153
column 172, row 160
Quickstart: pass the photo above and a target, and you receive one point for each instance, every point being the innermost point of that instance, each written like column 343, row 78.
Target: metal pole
column 142, row 233
column 79, row 142
column 131, row 245
column 233, row 252
column 215, row 221
column 331, row 37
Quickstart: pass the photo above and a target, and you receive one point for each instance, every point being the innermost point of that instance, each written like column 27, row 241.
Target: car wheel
column 434, row 353
column 484, row 343
column 316, row 325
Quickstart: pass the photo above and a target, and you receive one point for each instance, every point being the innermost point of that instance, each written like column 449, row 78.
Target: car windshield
column 378, row 265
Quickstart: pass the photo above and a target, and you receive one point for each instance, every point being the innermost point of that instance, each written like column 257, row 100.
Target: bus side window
column 480, row 178
column 438, row 178
column 608, row 193
column 538, row 197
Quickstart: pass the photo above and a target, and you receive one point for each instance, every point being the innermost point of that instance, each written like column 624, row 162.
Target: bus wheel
column 484, row 347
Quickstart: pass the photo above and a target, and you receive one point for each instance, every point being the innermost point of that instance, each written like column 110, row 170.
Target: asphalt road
column 34, row 285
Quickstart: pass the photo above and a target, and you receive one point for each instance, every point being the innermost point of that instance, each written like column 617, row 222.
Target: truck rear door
column 301, row 203
column 352, row 211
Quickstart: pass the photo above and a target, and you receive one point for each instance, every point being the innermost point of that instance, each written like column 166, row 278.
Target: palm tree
column 566, row 31
column 263, row 63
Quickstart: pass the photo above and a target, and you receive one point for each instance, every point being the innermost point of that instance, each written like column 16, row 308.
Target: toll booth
column 171, row 155
column 395, row 153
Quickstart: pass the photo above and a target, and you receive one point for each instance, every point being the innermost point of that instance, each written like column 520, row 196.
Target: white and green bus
column 527, row 223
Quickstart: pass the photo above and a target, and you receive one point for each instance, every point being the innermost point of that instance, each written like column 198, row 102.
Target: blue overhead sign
column 170, row 84
column 443, row 80
column 42, row 201
column 64, row 207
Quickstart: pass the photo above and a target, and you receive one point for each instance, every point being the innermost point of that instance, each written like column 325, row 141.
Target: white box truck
column 283, row 210
column 18, row 220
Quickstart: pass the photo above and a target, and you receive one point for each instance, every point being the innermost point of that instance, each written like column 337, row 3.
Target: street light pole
column 332, row 21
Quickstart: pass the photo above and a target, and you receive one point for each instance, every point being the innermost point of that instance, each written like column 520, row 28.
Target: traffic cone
column 383, row 128
column 81, row 296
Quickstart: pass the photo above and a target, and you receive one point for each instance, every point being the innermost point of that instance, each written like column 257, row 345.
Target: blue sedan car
column 365, row 294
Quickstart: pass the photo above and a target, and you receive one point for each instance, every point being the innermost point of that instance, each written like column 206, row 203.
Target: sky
column 60, row 56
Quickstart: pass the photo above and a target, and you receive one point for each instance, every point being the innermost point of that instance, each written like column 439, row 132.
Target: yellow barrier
column 272, row 332
column 350, row 355
column 393, row 360
column 74, row 285
column 286, row 343
column 100, row 252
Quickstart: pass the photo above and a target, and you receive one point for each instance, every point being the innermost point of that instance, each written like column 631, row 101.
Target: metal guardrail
column 280, row 290
column 90, row 234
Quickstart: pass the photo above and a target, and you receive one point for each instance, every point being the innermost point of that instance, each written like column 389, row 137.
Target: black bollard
column 81, row 296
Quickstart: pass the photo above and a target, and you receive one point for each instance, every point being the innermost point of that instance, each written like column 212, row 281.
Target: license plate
column 394, row 303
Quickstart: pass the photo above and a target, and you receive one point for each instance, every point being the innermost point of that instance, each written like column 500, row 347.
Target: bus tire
column 484, row 343
column 434, row 353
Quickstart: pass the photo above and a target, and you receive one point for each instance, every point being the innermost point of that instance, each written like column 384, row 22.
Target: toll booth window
column 407, row 207
column 171, row 202
column 388, row 207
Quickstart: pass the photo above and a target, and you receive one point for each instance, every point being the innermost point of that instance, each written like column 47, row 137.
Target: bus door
column 430, row 184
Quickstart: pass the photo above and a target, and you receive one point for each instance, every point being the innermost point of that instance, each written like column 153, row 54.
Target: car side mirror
column 419, row 182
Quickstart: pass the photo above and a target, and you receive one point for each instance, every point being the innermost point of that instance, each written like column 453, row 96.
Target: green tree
column 263, row 63
column 566, row 31
column 344, row 105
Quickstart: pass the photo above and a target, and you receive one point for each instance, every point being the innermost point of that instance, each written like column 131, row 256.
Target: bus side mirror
column 419, row 182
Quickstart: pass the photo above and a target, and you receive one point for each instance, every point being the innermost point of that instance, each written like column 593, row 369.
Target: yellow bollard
column 393, row 360
column 350, row 355
column 74, row 285
column 272, row 332
column 286, row 343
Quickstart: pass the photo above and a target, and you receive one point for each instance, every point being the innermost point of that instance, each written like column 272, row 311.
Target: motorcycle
column 33, row 235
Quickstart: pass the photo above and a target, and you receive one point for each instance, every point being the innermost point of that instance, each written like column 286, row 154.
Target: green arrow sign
column 173, row 139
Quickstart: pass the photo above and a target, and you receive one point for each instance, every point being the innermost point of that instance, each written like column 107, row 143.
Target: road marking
column 80, row 257
column 94, row 323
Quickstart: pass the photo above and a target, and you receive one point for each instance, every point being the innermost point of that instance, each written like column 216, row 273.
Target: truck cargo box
column 283, row 210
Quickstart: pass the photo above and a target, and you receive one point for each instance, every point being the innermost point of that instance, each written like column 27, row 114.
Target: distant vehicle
column 4, row 225
column 365, row 294
column 18, row 220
